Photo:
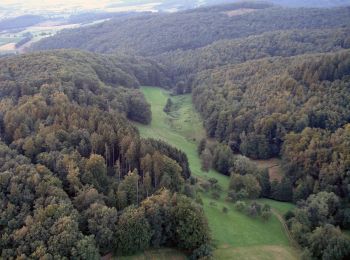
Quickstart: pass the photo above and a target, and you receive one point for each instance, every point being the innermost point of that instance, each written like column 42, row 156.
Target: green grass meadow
column 235, row 235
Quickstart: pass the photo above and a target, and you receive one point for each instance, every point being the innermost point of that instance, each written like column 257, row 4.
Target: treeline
column 316, row 179
column 316, row 223
column 183, row 66
column 158, row 33
column 109, row 83
column 247, row 181
column 318, row 160
column 252, row 106
column 76, row 179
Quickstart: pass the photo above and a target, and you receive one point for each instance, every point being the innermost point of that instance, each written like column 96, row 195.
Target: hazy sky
column 10, row 8
column 57, row 3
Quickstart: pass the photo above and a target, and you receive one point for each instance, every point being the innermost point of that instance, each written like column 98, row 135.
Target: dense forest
column 159, row 33
column 76, row 179
column 184, row 65
column 268, row 82
column 254, row 104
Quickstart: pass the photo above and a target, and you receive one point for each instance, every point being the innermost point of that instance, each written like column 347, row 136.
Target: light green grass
column 182, row 128
column 281, row 207
column 237, row 229
column 235, row 235
column 256, row 253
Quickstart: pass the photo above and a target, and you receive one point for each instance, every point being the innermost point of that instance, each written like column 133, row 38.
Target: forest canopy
column 77, row 181
column 268, row 82
column 154, row 34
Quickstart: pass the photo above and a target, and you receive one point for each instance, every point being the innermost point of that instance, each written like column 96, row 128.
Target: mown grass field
column 235, row 235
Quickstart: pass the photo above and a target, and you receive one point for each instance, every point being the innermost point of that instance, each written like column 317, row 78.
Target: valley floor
column 236, row 236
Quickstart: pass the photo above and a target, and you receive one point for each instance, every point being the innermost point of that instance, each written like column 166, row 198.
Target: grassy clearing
column 280, row 207
column 235, row 235
column 256, row 253
column 181, row 129
column 235, row 229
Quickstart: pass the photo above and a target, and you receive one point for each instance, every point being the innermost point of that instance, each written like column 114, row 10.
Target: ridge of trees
column 87, row 79
column 184, row 65
column 253, row 105
column 154, row 34
column 75, row 174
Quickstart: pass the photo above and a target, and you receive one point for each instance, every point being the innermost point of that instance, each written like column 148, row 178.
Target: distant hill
column 20, row 22
column 158, row 33
column 312, row 3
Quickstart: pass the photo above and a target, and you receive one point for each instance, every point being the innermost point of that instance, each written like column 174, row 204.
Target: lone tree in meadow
column 168, row 105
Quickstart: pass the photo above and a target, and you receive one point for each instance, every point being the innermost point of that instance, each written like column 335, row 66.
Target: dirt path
column 284, row 224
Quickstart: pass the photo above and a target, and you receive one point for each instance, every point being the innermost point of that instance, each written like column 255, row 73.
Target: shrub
column 240, row 206
column 205, row 251
column 212, row 203
column 205, row 186
column 215, row 195
column 266, row 215
column 288, row 215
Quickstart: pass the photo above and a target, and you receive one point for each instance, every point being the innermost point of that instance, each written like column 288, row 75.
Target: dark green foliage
column 96, row 172
column 215, row 194
column 101, row 221
column 189, row 191
column 240, row 206
column 138, row 109
column 36, row 213
column 203, row 252
column 75, row 158
column 253, row 210
column 212, row 181
column 223, row 159
column 206, row 160
column 189, row 30
column 152, row 145
column 157, row 211
column 312, row 225
column 168, row 106
column 185, row 64
column 329, row 243
column 288, row 215
column 88, row 79
column 265, row 185
column 246, row 184
column 266, row 212
column 202, row 145
column 72, row 152
column 191, row 226
column 282, row 191
column 177, row 221
column 305, row 91
column 134, row 232
column 323, row 166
